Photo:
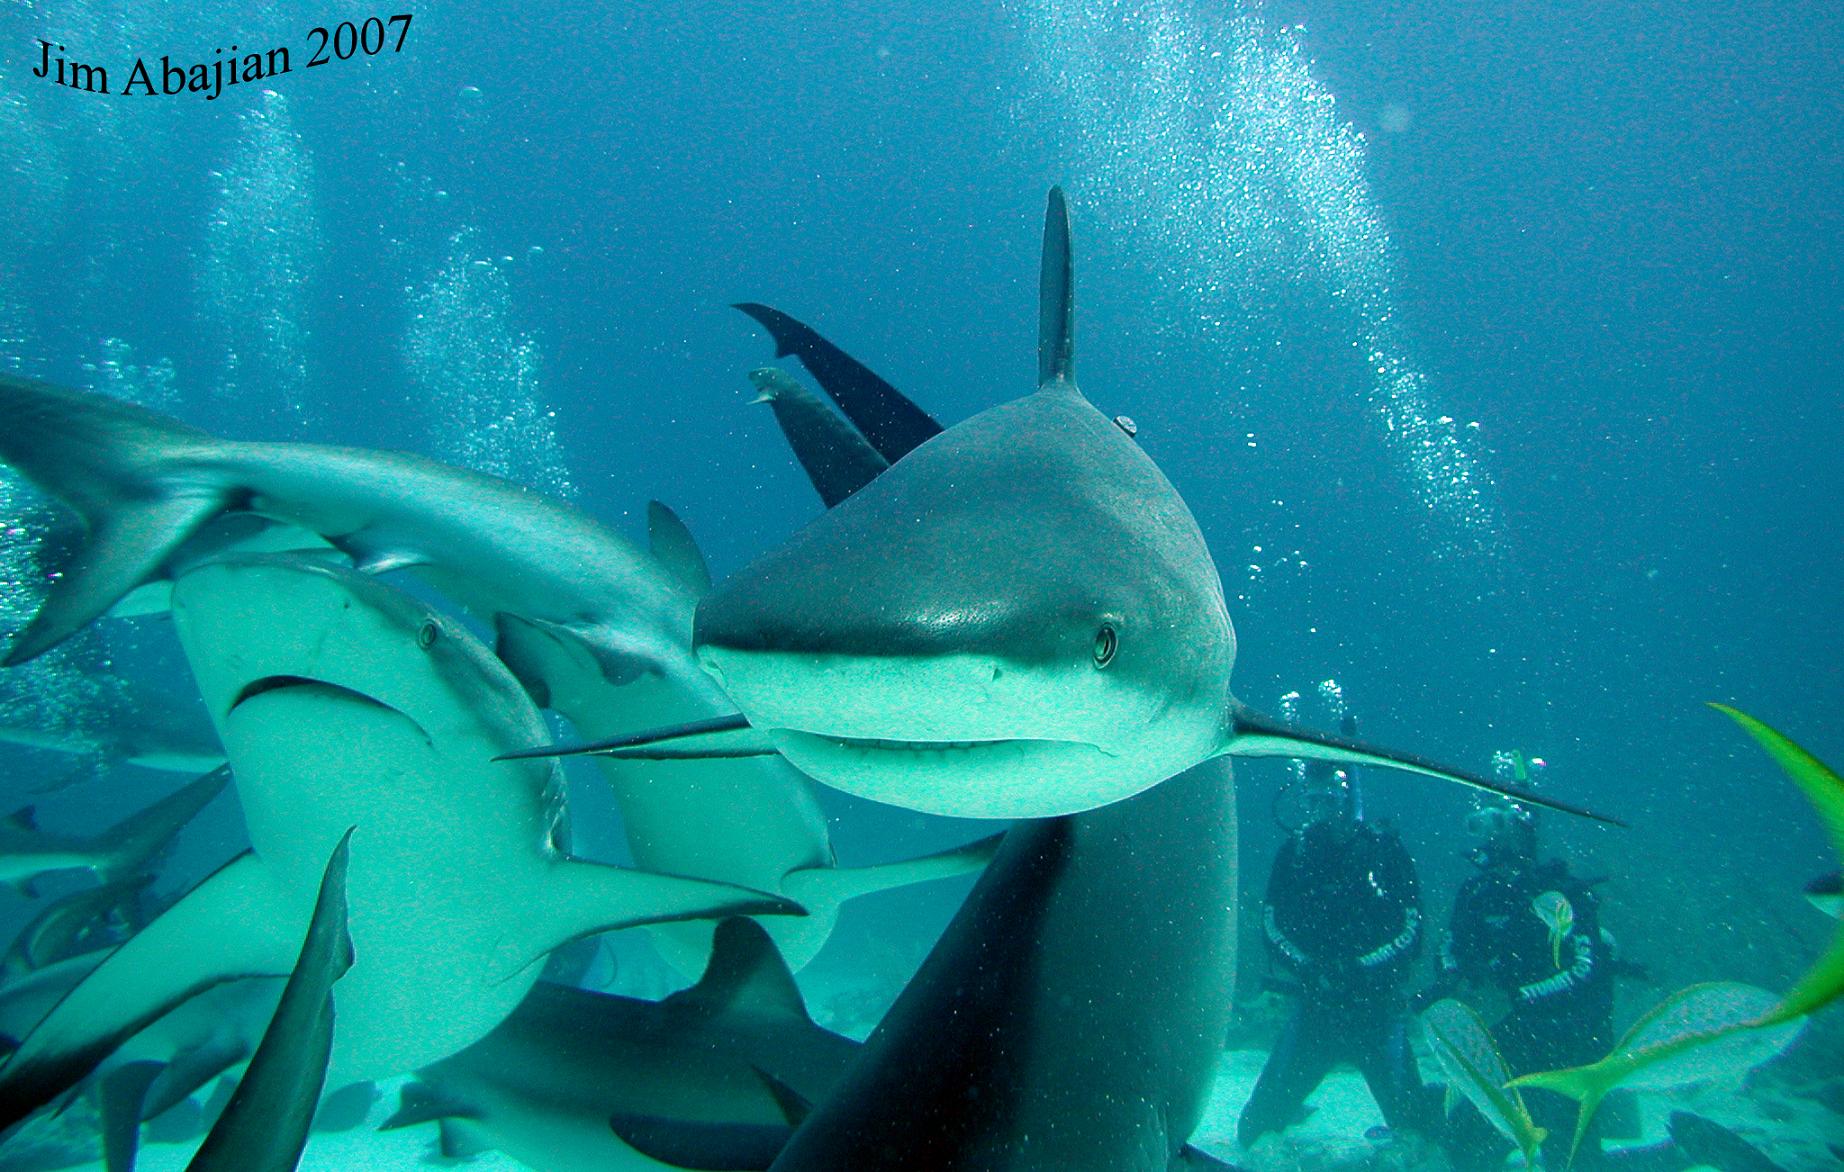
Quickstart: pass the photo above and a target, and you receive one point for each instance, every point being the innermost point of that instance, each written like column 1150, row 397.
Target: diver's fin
column 746, row 976
column 1056, row 298
column 595, row 897
column 226, row 927
column 720, row 736
column 674, row 547
column 418, row 1102
column 1824, row 981
column 838, row 461
column 888, row 418
column 819, row 886
column 1252, row 734
column 264, row 1126
column 729, row 1147
column 124, row 1091
column 131, row 844
column 101, row 457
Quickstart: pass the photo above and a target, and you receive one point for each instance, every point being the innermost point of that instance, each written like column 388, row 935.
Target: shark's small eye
column 1106, row 644
column 428, row 633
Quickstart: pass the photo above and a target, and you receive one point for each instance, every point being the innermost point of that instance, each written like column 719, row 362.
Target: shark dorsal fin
column 673, row 545
column 1056, row 305
column 746, row 975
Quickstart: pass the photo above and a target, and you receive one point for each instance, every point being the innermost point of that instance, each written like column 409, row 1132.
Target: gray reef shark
column 27, row 852
column 344, row 702
column 1071, row 1015
column 595, row 627
column 543, row 1086
column 132, row 725
column 1018, row 618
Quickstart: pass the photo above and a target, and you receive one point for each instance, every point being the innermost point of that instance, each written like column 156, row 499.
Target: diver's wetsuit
column 1343, row 917
column 1559, row 983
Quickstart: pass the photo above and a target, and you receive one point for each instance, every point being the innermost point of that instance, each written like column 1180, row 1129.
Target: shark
column 76, row 923
column 544, row 1085
column 1071, row 1015
column 1018, row 618
column 131, row 725
column 264, row 1126
column 26, row 852
column 595, row 627
column 344, row 702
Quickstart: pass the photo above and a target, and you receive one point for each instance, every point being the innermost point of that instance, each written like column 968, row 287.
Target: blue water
column 1498, row 350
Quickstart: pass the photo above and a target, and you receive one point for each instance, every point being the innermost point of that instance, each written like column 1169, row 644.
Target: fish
column 838, row 461
column 343, row 701
column 1072, row 1013
column 264, row 1126
column 593, row 626
column 1476, row 1071
column 1823, row 982
column 1702, row 1032
column 1018, row 619
column 1826, row 893
column 1558, row 915
column 543, row 1086
column 128, row 847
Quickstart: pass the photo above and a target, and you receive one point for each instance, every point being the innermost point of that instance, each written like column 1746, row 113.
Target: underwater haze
column 1498, row 351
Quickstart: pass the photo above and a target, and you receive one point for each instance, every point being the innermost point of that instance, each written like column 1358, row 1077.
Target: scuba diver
column 1342, row 918
column 1529, row 932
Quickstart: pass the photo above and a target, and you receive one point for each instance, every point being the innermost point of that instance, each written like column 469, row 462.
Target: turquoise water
column 1496, row 353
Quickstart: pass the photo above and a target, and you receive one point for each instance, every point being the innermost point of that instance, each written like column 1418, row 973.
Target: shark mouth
column 267, row 685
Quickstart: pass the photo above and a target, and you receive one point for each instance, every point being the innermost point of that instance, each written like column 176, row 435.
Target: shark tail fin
column 132, row 844
column 830, row 886
column 1251, row 734
column 1056, row 303
column 103, row 458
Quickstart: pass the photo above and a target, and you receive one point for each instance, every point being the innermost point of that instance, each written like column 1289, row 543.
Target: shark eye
column 1106, row 644
column 428, row 633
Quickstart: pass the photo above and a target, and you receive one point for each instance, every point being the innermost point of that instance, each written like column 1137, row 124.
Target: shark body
column 1072, row 1013
column 27, row 852
column 344, row 702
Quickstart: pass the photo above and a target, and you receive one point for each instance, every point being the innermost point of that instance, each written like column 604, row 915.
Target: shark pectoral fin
column 701, row 1144
column 582, row 899
column 222, row 929
column 831, row 886
column 129, row 845
column 674, row 547
column 124, row 1091
column 127, row 546
column 1252, row 734
column 746, row 976
column 264, row 1126
column 346, row 1108
column 191, row 1069
column 720, row 736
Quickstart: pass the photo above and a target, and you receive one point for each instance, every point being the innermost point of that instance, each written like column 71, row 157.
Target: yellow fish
column 1555, row 910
